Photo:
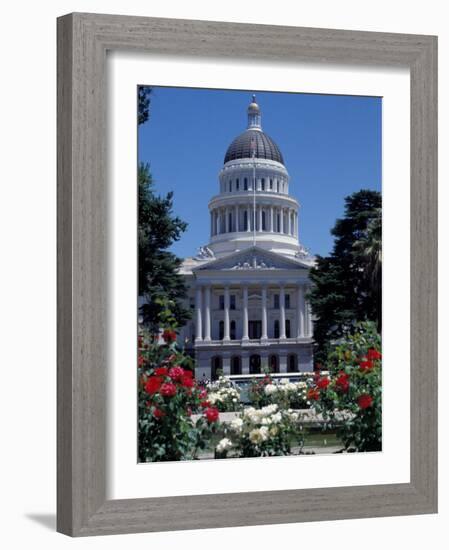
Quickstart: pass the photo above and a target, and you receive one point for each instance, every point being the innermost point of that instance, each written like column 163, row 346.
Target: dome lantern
column 254, row 117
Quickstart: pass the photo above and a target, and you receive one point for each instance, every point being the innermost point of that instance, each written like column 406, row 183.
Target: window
column 232, row 330
column 278, row 185
column 245, row 220
column 232, row 301
column 264, row 223
column 230, row 222
column 276, row 329
column 236, row 367
column 237, row 184
column 245, row 184
column 287, row 301
column 287, row 328
column 274, row 363
column 276, row 301
column 271, row 184
column 230, row 186
column 221, row 330
column 221, row 301
column 292, row 363
column 262, row 183
column 216, row 367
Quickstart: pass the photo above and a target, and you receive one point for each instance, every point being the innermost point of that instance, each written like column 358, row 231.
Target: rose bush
column 168, row 394
column 269, row 431
column 350, row 398
column 286, row 394
column 224, row 396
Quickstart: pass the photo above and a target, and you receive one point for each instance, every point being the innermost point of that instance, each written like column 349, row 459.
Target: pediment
column 253, row 259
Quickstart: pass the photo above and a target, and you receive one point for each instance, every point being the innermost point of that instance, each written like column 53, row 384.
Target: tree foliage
column 159, row 280
column 144, row 93
column 347, row 283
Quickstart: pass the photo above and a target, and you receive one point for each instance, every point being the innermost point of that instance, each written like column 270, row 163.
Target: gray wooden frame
column 83, row 40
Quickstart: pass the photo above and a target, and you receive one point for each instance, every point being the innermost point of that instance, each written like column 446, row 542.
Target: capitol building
column 248, row 284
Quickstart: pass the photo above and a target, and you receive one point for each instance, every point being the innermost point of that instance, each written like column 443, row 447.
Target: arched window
column 236, row 365
column 245, row 184
column 237, row 184
column 287, row 328
column 271, row 184
column 273, row 362
column 254, row 364
column 245, row 220
column 262, row 183
column 221, row 330
column 230, row 222
column 292, row 363
column 276, row 328
column 232, row 330
column 216, row 367
column 264, row 222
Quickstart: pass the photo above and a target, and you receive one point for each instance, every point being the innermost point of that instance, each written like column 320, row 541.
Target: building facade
column 248, row 285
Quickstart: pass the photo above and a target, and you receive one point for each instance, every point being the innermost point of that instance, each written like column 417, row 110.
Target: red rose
column 188, row 373
column 169, row 336
column 187, row 382
column 322, row 383
column 364, row 401
column 211, row 414
column 168, row 389
column 342, row 382
column 176, row 373
column 203, row 394
column 141, row 361
column 204, row 404
column 161, row 371
column 366, row 365
column 374, row 355
column 313, row 394
column 153, row 384
column 157, row 413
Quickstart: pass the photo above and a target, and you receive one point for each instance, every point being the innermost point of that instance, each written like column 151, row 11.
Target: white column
column 281, row 229
column 260, row 218
column 199, row 324
column 207, row 313
column 226, row 314
column 309, row 320
column 226, row 221
column 245, row 364
column 245, row 313
column 236, row 213
column 300, row 312
column 282, row 315
column 264, row 312
column 297, row 224
column 271, row 219
column 248, row 220
column 282, row 363
column 288, row 221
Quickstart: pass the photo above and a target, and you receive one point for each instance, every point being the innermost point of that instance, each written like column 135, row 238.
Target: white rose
column 224, row 445
column 270, row 389
column 237, row 424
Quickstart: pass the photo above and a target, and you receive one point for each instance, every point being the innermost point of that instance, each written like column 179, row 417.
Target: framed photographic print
column 246, row 274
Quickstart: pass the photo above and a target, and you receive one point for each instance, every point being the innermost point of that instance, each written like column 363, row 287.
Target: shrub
column 269, row 431
column 168, row 394
column 288, row 395
column 351, row 397
column 224, row 396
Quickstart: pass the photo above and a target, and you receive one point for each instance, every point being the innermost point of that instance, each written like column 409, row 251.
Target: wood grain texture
column 83, row 40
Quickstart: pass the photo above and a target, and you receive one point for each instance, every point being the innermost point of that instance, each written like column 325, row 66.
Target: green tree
column 160, row 283
column 347, row 283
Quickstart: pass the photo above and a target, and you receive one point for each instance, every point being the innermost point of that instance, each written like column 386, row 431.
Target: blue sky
column 331, row 147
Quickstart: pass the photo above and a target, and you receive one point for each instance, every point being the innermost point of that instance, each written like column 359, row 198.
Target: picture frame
column 83, row 41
